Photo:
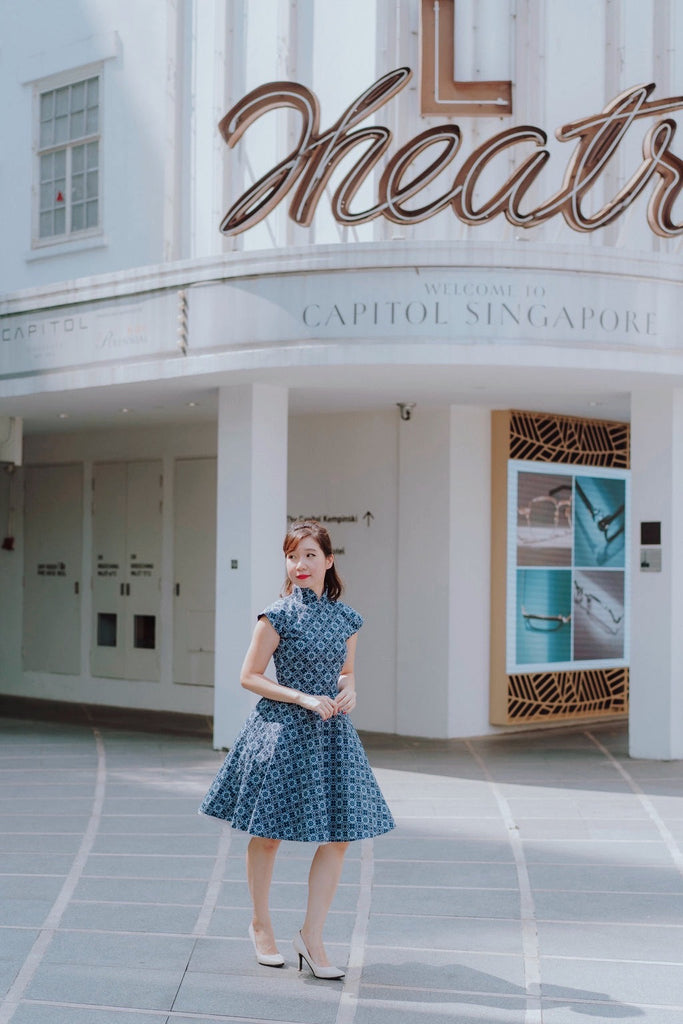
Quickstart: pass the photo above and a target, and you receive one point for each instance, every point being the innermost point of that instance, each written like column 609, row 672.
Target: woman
column 297, row 770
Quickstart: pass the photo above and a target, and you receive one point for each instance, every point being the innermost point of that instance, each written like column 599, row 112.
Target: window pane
column 77, row 96
column 47, row 133
column 93, row 85
column 62, row 101
column 78, row 159
column 46, row 196
column 91, row 185
column 47, row 101
column 78, row 124
column 46, row 167
column 77, row 188
column 61, row 129
column 68, row 179
column 77, row 217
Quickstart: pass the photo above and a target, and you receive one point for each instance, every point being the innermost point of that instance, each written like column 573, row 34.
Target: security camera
column 406, row 410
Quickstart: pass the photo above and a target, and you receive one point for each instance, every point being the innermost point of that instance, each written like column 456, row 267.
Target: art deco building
column 410, row 267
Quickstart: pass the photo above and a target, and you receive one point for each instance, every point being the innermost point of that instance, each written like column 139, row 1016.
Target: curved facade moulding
column 367, row 303
column 446, row 310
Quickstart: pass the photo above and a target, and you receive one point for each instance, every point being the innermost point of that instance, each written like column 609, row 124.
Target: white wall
column 420, row 572
column 130, row 40
column 167, row 444
column 347, row 464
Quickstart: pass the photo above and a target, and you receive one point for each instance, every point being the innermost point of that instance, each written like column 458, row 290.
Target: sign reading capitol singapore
column 598, row 137
column 490, row 306
column 473, row 304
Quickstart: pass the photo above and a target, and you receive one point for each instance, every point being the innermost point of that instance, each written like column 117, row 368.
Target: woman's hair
column 332, row 585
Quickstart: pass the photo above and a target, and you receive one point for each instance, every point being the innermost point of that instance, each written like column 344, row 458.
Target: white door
column 195, row 571
column 143, row 581
column 126, row 570
column 107, row 653
column 53, row 525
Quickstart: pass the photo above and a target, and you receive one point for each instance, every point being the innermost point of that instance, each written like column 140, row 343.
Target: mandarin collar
column 306, row 595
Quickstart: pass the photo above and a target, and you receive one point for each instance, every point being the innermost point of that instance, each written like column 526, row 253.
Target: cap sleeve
column 277, row 617
column 351, row 619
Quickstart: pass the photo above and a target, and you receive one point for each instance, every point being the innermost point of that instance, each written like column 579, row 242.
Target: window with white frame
column 68, row 151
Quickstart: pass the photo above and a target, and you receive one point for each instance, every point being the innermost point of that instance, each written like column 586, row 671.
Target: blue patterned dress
column 291, row 775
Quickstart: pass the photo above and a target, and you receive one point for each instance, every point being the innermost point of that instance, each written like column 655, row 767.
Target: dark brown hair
column 332, row 585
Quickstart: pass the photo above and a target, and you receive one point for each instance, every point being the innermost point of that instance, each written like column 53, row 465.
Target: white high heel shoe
column 317, row 969
column 266, row 959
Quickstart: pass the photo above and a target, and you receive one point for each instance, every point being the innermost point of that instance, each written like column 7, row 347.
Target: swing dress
column 290, row 775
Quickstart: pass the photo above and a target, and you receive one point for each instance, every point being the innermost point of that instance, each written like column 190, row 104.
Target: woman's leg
column 260, row 862
column 323, row 880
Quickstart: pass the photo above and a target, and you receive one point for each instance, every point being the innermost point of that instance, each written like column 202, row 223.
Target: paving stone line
column 12, row 999
column 669, row 840
column 348, row 1003
column 212, row 894
column 530, row 945
column 169, row 1016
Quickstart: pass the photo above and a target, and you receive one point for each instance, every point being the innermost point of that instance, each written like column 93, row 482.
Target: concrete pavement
column 534, row 878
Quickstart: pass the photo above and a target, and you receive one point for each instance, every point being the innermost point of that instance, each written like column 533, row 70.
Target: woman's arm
column 252, row 677
column 345, row 700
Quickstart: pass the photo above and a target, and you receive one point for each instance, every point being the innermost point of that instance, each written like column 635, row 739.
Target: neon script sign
column 310, row 165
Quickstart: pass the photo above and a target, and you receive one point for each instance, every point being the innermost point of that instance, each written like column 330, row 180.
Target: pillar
column 656, row 701
column 470, row 571
column 251, row 523
column 422, row 619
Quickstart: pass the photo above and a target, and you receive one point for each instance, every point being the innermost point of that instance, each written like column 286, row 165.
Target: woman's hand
column 322, row 705
column 345, row 701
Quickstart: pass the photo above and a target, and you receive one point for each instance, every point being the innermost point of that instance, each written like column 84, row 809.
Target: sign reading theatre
column 598, row 137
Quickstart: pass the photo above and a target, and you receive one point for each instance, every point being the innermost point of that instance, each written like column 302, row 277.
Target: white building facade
column 415, row 215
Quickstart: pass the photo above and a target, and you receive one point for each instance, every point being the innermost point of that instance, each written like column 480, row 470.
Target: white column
column 251, row 523
column 423, row 574
column 470, row 571
column 656, row 704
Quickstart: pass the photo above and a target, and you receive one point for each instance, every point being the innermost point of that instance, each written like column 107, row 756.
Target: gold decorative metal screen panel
column 538, row 437
column 550, row 696
column 577, row 590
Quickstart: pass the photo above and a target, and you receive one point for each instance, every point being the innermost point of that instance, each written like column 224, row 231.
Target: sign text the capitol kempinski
column 311, row 164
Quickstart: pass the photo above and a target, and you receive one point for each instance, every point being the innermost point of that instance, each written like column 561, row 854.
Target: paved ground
column 531, row 879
